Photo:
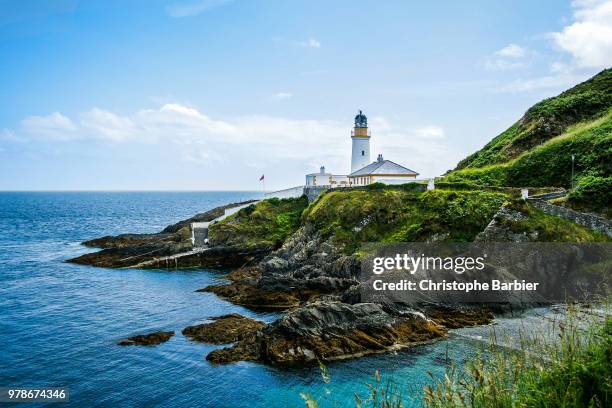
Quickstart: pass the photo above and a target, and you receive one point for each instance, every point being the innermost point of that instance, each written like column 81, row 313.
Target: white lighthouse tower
column 361, row 143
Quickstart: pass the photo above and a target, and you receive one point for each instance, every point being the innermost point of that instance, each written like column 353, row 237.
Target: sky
column 211, row 94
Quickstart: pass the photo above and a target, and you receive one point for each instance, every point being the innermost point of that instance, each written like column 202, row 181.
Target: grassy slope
column 593, row 194
column 548, row 228
column 550, row 163
column 267, row 223
column 391, row 215
column 547, row 119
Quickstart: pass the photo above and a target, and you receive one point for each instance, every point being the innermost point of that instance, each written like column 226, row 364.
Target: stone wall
column 591, row 221
column 313, row 192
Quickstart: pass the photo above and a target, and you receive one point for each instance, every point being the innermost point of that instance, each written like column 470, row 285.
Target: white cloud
column 283, row 95
column 53, row 126
column 311, row 43
column 193, row 8
column 107, row 125
column 511, row 56
column 512, row 51
column 589, row 38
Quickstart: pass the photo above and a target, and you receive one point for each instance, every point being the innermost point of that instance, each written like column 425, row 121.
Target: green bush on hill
column 267, row 223
column 392, row 215
column 593, row 194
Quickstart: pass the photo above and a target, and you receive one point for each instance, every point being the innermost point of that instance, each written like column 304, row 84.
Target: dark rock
column 463, row 317
column 225, row 329
column 151, row 339
column 330, row 331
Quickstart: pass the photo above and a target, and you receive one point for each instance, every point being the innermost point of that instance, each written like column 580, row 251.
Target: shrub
column 592, row 194
column 573, row 371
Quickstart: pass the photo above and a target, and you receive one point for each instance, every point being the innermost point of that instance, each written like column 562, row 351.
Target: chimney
column 380, row 158
column 322, row 169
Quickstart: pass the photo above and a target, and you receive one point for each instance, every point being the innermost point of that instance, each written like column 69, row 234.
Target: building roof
column 383, row 167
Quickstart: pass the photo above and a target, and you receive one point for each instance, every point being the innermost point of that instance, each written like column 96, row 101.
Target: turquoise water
column 61, row 322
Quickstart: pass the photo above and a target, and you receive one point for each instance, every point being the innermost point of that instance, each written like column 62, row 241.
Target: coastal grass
column 574, row 370
column 394, row 215
column 592, row 194
column 542, row 227
column 547, row 119
column 267, row 223
column 550, row 163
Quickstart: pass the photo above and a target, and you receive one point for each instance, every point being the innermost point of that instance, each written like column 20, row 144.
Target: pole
column 572, row 181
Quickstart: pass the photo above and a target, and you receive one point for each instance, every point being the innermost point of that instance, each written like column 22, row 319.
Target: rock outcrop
column 330, row 331
column 151, row 339
column 224, row 329
column 304, row 268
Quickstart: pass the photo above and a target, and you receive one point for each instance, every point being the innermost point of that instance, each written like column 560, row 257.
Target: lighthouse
column 361, row 143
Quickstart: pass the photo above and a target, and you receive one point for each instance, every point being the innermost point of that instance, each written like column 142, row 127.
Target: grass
column 267, row 223
column 550, row 164
column 592, row 194
column 542, row 227
column 396, row 215
column 546, row 120
column 573, row 371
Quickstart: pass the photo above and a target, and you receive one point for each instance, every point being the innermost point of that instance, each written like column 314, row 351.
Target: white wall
column 392, row 180
column 358, row 161
column 286, row 193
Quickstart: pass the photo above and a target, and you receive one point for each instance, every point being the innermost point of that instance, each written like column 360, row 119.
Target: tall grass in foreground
column 572, row 370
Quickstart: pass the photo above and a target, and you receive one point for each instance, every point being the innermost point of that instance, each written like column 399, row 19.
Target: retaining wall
column 591, row 221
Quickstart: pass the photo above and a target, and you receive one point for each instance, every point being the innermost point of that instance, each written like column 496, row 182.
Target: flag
column 261, row 178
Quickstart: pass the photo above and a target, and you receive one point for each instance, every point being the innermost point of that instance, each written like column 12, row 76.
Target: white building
column 363, row 172
column 382, row 171
column 326, row 179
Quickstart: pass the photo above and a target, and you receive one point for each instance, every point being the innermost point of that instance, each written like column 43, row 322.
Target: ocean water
column 60, row 322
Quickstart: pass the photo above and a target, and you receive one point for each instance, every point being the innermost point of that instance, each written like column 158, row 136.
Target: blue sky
column 210, row 94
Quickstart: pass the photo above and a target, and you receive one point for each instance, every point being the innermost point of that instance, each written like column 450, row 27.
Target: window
column 363, row 152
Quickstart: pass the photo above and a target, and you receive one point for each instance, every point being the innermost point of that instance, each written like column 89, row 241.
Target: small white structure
column 382, row 171
column 431, row 184
column 326, row 179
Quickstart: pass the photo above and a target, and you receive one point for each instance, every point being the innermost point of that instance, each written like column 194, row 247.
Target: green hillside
column 537, row 150
column 546, row 120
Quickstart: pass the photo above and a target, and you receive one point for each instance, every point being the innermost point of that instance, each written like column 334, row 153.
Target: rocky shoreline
column 309, row 277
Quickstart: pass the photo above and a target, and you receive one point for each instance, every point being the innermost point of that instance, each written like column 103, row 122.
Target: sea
column 60, row 322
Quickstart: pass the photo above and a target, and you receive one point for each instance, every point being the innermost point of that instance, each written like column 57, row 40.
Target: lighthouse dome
column 361, row 121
